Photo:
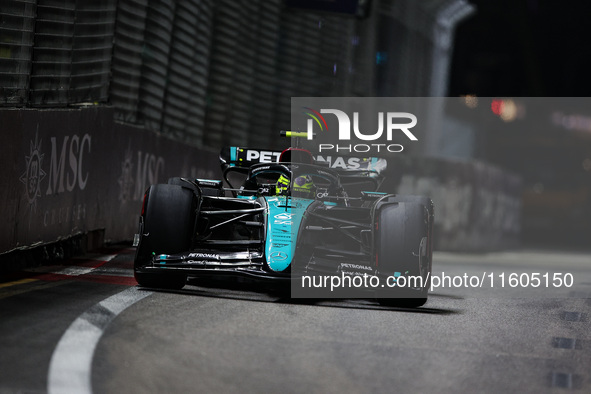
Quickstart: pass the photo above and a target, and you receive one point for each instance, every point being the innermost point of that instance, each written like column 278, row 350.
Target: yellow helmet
column 303, row 186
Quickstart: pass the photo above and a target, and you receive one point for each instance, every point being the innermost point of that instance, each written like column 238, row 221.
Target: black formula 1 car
column 290, row 217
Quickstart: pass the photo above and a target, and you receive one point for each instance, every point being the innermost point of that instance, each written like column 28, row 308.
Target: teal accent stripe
column 282, row 229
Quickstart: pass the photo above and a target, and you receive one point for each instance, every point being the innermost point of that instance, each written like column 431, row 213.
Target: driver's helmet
column 303, row 186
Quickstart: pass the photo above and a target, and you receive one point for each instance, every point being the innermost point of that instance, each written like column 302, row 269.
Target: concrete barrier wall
column 65, row 172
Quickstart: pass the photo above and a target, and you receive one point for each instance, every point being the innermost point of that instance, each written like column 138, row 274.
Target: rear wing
column 234, row 156
column 365, row 172
column 349, row 165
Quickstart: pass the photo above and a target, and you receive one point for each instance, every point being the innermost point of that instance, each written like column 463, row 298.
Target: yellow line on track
column 22, row 290
column 17, row 282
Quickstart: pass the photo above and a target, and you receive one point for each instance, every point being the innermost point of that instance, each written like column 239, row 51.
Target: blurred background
column 533, row 48
column 206, row 73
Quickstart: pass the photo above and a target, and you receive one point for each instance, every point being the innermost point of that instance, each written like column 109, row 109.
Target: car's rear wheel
column 168, row 222
column 403, row 250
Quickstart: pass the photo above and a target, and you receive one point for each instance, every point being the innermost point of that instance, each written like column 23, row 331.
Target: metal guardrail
column 16, row 45
column 203, row 72
column 55, row 53
column 127, row 59
column 71, row 57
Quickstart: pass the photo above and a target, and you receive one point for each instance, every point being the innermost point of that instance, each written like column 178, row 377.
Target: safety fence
column 207, row 72
column 55, row 53
column 202, row 72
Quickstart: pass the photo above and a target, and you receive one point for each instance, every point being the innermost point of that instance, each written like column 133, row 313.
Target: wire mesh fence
column 17, row 29
column 205, row 72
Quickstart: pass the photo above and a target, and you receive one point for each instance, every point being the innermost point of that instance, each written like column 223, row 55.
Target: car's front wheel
column 403, row 252
column 168, row 217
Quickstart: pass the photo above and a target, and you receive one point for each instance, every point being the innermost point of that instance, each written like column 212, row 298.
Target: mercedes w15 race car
column 291, row 216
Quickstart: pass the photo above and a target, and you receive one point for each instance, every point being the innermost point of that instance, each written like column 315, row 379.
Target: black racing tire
column 168, row 223
column 428, row 204
column 403, row 245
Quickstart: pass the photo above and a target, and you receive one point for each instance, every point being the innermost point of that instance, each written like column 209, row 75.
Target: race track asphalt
column 87, row 327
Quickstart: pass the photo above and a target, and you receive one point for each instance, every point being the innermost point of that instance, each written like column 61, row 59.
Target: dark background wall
column 67, row 172
column 98, row 99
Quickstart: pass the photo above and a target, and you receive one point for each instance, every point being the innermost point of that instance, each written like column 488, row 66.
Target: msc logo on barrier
column 75, row 176
column 66, row 173
column 126, row 179
column 148, row 170
column 34, row 173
